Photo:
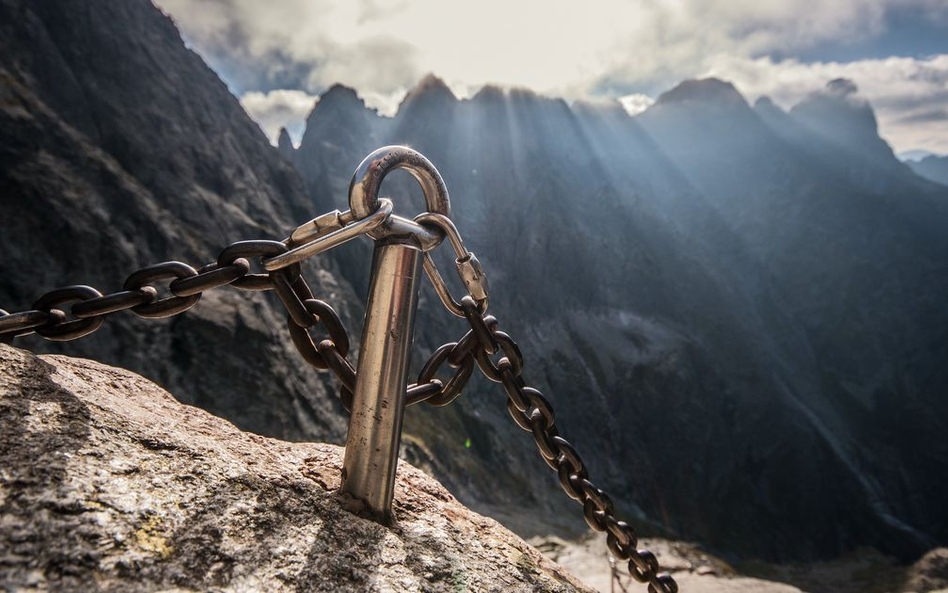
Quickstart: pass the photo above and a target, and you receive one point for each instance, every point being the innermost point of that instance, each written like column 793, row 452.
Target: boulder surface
column 108, row 483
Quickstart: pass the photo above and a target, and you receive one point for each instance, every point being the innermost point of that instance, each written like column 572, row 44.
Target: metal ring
column 519, row 417
column 112, row 303
column 621, row 537
column 210, row 276
column 566, row 482
column 167, row 306
column 67, row 330
column 337, row 363
column 643, row 566
column 333, row 239
column 452, row 389
column 467, row 343
column 598, row 497
column 512, row 359
column 251, row 249
column 539, row 405
column 293, row 295
column 304, row 341
column 367, row 179
column 664, row 583
column 569, row 456
column 547, row 449
column 482, row 332
column 420, row 392
column 24, row 322
column 594, row 517
column 514, row 387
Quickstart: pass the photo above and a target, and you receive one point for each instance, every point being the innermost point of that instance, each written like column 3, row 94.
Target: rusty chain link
column 480, row 345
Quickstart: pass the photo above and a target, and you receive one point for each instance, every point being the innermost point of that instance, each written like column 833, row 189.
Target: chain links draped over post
column 75, row 311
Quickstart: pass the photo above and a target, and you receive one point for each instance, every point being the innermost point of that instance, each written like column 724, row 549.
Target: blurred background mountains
column 738, row 311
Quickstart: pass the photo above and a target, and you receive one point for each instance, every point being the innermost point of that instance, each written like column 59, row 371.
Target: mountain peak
column 431, row 83
column 841, row 87
column 706, row 90
column 600, row 107
column 339, row 93
column 840, row 112
column 430, row 90
column 285, row 143
column 765, row 102
column 489, row 93
column 337, row 99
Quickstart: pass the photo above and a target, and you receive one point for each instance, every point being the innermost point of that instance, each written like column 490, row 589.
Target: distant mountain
column 285, row 144
column 729, row 303
column 932, row 167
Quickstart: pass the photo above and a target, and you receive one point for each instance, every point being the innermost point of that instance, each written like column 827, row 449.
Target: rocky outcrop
column 107, row 483
column 285, row 145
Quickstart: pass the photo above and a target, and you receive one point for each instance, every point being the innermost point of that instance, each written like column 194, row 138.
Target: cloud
column 636, row 103
column 280, row 108
column 605, row 48
column 907, row 94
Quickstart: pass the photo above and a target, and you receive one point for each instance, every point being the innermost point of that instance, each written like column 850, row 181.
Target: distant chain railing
column 493, row 351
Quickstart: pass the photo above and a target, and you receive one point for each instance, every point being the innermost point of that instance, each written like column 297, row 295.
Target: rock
column 930, row 572
column 694, row 570
column 860, row 571
column 285, row 145
column 108, row 483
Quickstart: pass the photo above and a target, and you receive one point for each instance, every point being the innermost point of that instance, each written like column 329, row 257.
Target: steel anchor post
column 379, row 400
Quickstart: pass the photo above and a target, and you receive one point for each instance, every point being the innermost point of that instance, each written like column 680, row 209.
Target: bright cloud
column 572, row 49
column 636, row 103
column 910, row 96
column 279, row 108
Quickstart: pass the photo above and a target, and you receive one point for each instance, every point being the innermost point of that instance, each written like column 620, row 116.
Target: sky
column 278, row 56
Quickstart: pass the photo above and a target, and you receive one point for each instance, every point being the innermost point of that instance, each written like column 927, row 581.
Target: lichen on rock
column 108, row 483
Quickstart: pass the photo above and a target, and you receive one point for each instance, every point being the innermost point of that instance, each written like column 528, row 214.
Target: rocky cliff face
column 109, row 484
column 121, row 148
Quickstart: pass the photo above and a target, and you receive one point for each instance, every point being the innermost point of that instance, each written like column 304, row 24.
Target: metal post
column 379, row 401
column 375, row 427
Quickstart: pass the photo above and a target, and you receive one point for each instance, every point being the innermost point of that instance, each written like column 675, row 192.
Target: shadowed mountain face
column 737, row 312
column 121, row 148
column 932, row 167
column 740, row 308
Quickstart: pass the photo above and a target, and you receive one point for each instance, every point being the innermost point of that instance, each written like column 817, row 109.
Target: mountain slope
column 931, row 167
column 121, row 148
column 762, row 286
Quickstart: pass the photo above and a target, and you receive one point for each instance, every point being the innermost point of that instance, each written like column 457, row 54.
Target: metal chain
column 50, row 318
column 526, row 405
column 533, row 413
column 281, row 260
